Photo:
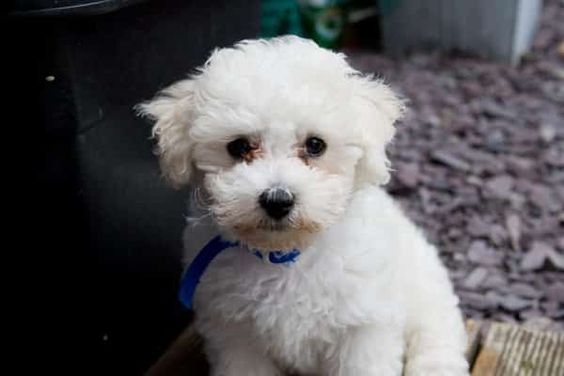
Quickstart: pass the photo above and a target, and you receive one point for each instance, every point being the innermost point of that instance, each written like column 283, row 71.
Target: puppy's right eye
column 239, row 148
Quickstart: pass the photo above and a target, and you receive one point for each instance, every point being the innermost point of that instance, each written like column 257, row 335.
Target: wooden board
column 473, row 328
column 494, row 350
column 183, row 358
column 511, row 350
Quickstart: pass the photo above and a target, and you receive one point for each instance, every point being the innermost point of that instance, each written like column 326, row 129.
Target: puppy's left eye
column 239, row 148
column 315, row 146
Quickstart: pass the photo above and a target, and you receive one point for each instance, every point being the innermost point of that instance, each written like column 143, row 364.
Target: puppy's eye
column 239, row 148
column 315, row 146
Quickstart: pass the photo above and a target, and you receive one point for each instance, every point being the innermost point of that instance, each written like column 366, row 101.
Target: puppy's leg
column 374, row 350
column 435, row 334
column 436, row 345
column 231, row 352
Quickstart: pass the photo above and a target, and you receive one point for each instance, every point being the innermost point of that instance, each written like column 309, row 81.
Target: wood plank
column 511, row 350
column 183, row 357
column 507, row 350
column 473, row 329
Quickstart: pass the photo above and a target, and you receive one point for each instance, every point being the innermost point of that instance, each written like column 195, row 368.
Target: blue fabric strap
column 197, row 268
column 214, row 247
column 280, row 257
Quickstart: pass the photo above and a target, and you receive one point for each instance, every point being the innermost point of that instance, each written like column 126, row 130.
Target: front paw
column 437, row 365
column 374, row 371
column 378, row 367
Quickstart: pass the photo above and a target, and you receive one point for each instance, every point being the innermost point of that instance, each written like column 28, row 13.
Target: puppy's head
column 282, row 131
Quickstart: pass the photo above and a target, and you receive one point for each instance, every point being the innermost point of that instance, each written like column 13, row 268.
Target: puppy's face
column 281, row 132
column 275, row 178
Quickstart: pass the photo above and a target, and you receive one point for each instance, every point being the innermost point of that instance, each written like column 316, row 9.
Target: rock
column 455, row 233
column 553, row 276
column 495, row 141
column 514, row 303
column 525, row 290
column 555, row 292
column 477, row 227
column 535, row 258
column 520, row 165
column 500, row 316
column 480, row 253
column 547, row 133
column 539, row 254
column 482, row 161
column 497, row 235
column 477, row 301
column 456, row 274
column 495, row 110
column 459, row 257
column 553, row 158
column 543, row 197
column 500, row 186
column 543, row 227
column 513, row 226
column 474, row 180
column 494, row 298
column 495, row 281
column 531, row 314
column 552, row 309
column 475, row 278
column 408, row 175
column 448, row 159
column 561, row 243
column 517, row 201
column 535, row 322
column 556, row 259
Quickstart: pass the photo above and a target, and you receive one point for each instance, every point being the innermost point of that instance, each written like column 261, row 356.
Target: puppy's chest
column 297, row 312
column 292, row 312
column 273, row 294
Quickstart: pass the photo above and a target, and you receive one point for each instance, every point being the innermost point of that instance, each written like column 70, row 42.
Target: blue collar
column 206, row 255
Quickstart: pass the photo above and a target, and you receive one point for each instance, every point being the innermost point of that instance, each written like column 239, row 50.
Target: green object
column 280, row 17
column 324, row 21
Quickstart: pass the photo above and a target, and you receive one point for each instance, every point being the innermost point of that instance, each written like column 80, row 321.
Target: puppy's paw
column 247, row 370
column 437, row 365
column 381, row 370
column 391, row 366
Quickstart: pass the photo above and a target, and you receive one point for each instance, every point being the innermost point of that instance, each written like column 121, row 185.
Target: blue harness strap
column 280, row 257
column 196, row 269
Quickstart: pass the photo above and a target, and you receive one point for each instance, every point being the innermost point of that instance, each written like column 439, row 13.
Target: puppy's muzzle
column 276, row 202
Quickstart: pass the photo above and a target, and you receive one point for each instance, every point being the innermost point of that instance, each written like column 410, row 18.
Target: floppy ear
column 172, row 111
column 380, row 107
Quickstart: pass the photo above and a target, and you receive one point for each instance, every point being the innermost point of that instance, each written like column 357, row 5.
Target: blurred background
column 478, row 160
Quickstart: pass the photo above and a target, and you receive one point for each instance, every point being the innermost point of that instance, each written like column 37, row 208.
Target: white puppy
column 285, row 144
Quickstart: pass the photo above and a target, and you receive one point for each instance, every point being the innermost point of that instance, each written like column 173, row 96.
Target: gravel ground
column 479, row 164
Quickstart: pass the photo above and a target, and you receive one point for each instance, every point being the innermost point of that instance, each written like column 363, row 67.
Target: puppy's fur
column 368, row 295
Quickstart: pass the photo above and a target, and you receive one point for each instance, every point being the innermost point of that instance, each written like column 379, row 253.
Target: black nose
column 277, row 202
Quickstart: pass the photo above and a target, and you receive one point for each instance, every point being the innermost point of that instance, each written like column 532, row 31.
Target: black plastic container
column 104, row 243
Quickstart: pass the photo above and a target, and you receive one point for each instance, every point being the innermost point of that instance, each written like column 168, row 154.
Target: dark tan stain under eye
column 255, row 153
column 302, row 154
column 243, row 149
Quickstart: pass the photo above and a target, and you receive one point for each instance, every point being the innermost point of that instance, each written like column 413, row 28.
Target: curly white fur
column 368, row 295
